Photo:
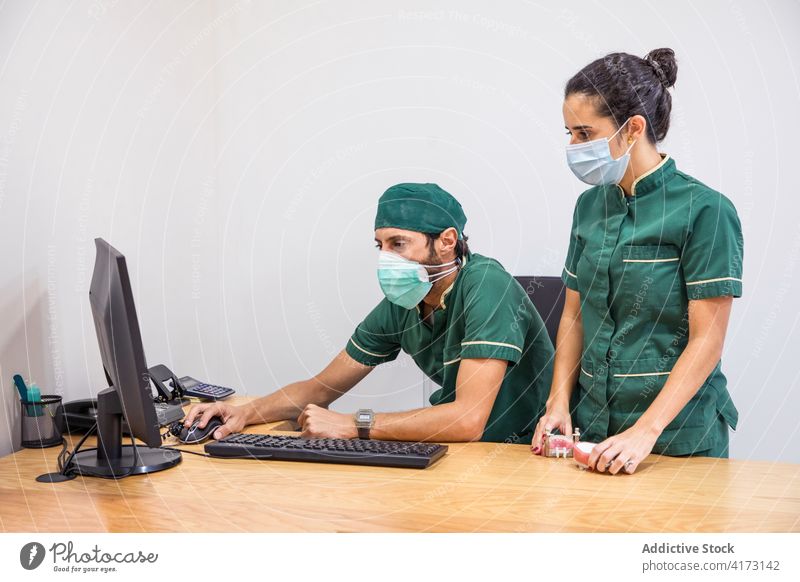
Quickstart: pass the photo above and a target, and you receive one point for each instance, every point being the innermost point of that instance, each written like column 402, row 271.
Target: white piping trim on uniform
column 492, row 344
column 370, row 353
column 451, row 362
column 647, row 173
column 713, row 280
column 644, row 374
column 570, row 273
column 650, row 260
column 587, row 373
column 446, row 292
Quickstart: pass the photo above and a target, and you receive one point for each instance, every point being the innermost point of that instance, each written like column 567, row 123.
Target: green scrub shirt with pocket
column 485, row 313
column 637, row 261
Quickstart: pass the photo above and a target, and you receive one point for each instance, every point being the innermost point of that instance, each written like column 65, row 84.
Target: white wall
column 234, row 151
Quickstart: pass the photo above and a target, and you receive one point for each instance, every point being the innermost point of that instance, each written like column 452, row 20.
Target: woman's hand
column 556, row 416
column 623, row 451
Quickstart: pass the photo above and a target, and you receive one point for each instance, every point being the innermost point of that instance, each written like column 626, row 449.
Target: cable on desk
column 61, row 455
column 63, row 467
column 174, row 429
column 184, row 451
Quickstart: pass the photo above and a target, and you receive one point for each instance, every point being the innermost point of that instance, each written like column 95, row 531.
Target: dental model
column 559, row 445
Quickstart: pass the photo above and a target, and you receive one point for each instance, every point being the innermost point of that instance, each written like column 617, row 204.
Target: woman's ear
column 637, row 128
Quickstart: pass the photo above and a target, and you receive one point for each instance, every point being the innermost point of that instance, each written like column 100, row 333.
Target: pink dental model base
column 581, row 452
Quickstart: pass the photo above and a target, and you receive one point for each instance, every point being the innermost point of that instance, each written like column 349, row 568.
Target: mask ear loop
column 630, row 143
column 443, row 274
column 620, row 129
column 454, row 262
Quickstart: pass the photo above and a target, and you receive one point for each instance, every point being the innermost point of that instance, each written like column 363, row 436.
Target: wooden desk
column 475, row 487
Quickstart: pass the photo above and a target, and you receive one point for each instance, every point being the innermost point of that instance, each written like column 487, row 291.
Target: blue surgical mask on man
column 592, row 162
column 405, row 282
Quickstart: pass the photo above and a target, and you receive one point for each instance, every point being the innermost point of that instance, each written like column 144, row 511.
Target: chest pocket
column 651, row 275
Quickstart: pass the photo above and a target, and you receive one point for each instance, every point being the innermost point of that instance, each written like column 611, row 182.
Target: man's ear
column 447, row 239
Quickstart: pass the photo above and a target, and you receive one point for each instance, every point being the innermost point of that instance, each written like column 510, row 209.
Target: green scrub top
column 485, row 313
column 636, row 262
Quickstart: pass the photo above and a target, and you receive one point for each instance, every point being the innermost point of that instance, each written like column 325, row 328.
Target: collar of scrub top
column 450, row 288
column 654, row 179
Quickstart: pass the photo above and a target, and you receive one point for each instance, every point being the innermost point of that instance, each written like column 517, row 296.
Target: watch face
column 363, row 417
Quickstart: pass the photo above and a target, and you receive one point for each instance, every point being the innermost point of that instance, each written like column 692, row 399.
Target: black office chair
column 547, row 295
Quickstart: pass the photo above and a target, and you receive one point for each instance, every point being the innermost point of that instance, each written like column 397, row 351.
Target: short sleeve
column 496, row 317
column 712, row 255
column 569, row 274
column 376, row 339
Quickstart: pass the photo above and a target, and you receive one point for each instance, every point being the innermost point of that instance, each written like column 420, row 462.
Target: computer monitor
column 129, row 395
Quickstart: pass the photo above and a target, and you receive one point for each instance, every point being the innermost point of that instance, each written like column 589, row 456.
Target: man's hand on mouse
column 233, row 417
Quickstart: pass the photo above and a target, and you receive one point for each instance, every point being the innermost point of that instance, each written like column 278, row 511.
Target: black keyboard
column 197, row 389
column 347, row 451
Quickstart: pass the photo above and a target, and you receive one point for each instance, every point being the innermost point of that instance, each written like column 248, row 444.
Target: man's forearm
column 286, row 403
column 339, row 376
column 449, row 422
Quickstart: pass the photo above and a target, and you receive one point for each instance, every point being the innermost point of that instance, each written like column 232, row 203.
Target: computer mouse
column 195, row 435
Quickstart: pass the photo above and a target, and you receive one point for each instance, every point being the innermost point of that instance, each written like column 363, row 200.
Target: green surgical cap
column 421, row 208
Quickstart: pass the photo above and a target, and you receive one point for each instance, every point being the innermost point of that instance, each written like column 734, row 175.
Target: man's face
column 406, row 243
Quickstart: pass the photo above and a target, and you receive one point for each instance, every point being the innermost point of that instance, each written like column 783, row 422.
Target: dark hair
column 625, row 85
column 462, row 248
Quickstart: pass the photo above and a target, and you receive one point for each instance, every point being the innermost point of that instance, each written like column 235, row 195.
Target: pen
column 21, row 387
column 28, row 394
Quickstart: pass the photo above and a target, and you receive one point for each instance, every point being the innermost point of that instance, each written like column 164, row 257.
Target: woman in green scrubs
column 654, row 262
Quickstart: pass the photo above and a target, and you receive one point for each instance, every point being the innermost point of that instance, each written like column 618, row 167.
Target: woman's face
column 583, row 124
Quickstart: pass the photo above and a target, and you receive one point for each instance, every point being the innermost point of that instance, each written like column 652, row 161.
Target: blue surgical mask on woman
column 592, row 162
column 406, row 282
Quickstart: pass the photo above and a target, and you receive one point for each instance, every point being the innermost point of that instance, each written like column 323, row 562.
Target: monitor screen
column 120, row 342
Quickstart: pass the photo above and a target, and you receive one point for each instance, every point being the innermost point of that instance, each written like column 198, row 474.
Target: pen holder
column 42, row 422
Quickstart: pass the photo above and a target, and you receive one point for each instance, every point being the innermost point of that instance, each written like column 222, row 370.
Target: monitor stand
column 111, row 459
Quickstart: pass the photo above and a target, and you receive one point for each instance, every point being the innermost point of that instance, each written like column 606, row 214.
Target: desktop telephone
column 169, row 396
column 170, row 387
column 80, row 415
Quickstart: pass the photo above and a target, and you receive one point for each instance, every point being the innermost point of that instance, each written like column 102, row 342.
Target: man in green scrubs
column 463, row 319
column 671, row 241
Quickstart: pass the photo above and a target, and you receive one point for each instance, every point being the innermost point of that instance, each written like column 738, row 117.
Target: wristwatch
column 365, row 419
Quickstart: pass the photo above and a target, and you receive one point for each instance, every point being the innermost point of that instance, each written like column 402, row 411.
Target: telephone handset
column 81, row 415
column 168, row 387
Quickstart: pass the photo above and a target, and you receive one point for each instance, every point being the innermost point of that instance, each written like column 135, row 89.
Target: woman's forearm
column 708, row 323
column 693, row 367
column 569, row 346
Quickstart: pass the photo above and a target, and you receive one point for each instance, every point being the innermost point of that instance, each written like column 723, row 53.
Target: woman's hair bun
column 664, row 64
